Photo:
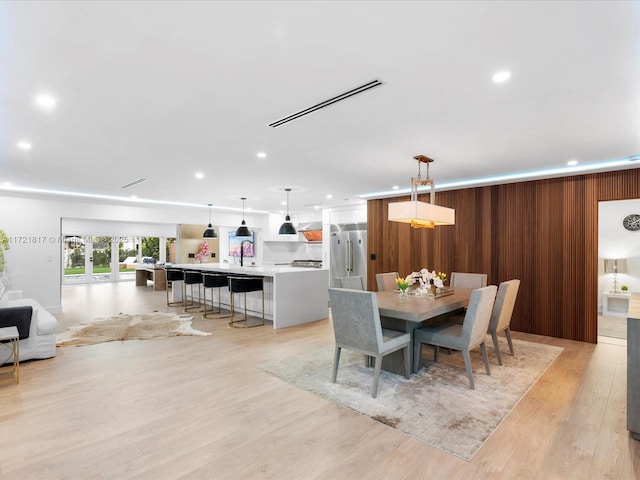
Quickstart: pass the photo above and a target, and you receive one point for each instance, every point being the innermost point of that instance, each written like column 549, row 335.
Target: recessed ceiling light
column 46, row 101
column 283, row 203
column 134, row 197
column 261, row 155
column 317, row 207
column 395, row 187
column 502, row 76
column 22, row 145
column 7, row 184
column 329, row 196
column 572, row 163
column 199, row 175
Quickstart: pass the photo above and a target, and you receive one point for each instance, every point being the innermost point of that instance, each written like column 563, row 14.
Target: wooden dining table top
column 418, row 309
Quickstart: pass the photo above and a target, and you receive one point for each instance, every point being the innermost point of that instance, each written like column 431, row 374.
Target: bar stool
column 192, row 278
column 211, row 281
column 174, row 275
column 244, row 285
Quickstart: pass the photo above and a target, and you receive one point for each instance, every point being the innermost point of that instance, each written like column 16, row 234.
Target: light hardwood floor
column 200, row 408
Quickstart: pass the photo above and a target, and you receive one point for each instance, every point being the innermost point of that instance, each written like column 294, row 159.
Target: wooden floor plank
column 200, row 407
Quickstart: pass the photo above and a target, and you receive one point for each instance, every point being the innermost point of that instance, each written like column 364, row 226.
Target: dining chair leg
column 336, row 360
column 496, row 347
column 467, row 364
column 507, row 332
column 407, row 362
column 485, row 359
column 376, row 376
column 436, row 349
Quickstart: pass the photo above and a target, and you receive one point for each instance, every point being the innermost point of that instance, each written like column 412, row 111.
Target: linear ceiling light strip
column 326, row 103
column 135, row 182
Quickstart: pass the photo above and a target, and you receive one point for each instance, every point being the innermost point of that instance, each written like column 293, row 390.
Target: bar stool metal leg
column 192, row 278
column 213, row 281
column 245, row 285
column 174, row 275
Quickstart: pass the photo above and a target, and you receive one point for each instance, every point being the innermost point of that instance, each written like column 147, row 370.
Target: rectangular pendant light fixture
column 420, row 214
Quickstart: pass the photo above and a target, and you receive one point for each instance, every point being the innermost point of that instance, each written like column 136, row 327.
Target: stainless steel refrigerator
column 348, row 251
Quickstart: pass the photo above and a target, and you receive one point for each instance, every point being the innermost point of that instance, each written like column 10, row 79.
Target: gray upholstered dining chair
column 501, row 314
column 465, row 337
column 387, row 281
column 468, row 280
column 357, row 327
column 354, row 283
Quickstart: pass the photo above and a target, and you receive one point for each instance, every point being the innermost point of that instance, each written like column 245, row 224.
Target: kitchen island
column 292, row 295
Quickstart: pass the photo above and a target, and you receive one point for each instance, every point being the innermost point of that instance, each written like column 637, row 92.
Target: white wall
column 614, row 241
column 33, row 224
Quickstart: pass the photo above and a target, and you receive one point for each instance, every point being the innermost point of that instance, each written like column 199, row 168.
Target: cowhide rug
column 128, row 327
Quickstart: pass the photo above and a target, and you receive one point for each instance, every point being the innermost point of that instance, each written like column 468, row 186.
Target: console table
column 10, row 334
column 615, row 304
column 157, row 275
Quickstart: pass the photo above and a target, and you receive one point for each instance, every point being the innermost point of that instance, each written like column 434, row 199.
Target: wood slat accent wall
column 544, row 232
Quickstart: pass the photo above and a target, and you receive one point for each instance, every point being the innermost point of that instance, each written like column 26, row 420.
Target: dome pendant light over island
column 242, row 230
column 287, row 227
column 209, row 232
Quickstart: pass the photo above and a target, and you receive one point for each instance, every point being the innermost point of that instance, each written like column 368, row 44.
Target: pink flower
column 202, row 252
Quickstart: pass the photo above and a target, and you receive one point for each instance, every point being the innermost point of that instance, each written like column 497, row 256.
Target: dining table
column 406, row 313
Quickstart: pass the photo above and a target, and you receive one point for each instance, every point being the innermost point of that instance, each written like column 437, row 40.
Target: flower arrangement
column 403, row 283
column 425, row 277
column 203, row 252
column 624, row 288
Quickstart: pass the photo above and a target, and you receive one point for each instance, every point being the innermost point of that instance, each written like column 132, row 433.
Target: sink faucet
column 242, row 251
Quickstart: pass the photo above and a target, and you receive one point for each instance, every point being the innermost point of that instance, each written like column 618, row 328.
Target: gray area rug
column 435, row 405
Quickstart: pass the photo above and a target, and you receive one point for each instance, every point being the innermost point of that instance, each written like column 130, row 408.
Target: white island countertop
column 293, row 295
column 261, row 270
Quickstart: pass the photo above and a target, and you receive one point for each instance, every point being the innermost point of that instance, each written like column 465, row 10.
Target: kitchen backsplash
column 285, row 252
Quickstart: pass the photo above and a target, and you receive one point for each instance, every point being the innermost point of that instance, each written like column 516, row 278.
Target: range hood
column 312, row 231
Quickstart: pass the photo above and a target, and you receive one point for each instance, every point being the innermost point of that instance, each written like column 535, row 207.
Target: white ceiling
column 165, row 89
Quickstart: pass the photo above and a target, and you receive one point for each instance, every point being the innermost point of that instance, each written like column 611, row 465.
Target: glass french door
column 98, row 250
column 88, row 258
column 91, row 258
column 74, row 260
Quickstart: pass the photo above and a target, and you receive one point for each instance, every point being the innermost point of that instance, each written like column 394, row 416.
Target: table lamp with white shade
column 615, row 266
